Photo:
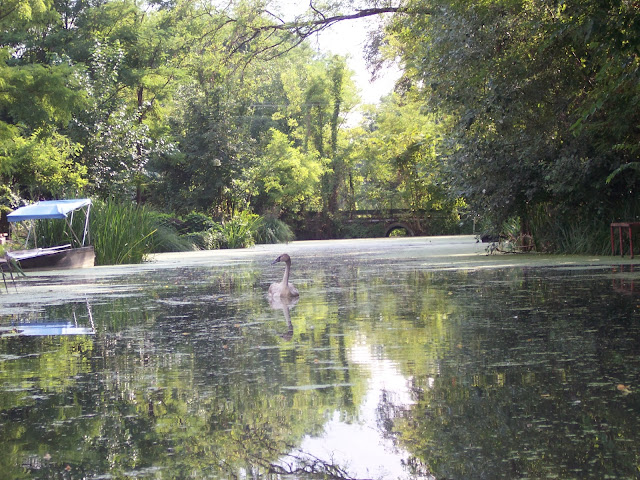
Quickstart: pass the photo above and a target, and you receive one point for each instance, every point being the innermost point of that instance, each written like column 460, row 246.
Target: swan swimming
column 284, row 288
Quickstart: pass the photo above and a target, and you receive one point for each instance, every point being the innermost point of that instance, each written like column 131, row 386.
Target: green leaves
column 544, row 100
column 38, row 96
column 400, row 160
column 43, row 165
column 121, row 232
column 289, row 177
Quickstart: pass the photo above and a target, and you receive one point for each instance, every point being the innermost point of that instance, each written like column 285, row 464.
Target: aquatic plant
column 269, row 229
column 575, row 233
column 200, row 232
column 49, row 233
column 167, row 239
column 238, row 232
column 121, row 232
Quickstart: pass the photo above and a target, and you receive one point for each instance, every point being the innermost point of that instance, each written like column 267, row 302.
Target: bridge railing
column 415, row 222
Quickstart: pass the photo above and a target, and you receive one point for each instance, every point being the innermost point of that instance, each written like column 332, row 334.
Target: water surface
column 411, row 358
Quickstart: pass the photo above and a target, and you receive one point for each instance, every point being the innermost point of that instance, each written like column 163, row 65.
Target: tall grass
column 583, row 238
column 167, row 238
column 270, row 229
column 121, row 232
column 238, row 232
column 50, row 233
column 242, row 230
column 578, row 233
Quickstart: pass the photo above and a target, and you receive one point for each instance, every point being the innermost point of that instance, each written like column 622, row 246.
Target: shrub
column 127, row 233
column 211, row 239
column 238, row 232
column 196, row 222
column 167, row 239
column 270, row 229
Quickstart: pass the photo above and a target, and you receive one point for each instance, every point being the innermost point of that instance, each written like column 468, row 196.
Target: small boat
column 62, row 256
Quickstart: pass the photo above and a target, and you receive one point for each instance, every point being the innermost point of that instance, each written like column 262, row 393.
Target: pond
column 403, row 358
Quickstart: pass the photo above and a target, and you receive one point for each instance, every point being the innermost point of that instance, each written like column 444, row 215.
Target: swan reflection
column 284, row 304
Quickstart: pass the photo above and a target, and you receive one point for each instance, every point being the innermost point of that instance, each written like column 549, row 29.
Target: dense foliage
column 512, row 109
column 544, row 100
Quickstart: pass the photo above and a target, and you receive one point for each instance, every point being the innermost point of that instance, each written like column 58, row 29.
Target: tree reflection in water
column 499, row 373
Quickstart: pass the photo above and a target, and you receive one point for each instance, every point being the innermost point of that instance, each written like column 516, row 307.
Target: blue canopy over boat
column 48, row 209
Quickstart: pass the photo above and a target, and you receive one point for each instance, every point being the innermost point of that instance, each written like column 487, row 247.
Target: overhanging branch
column 304, row 28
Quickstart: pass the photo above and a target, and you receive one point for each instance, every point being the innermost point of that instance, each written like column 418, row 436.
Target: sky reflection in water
column 385, row 368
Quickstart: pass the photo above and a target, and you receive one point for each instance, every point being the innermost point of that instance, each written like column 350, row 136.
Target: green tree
column 319, row 94
column 39, row 92
column 118, row 144
column 42, row 166
column 289, row 177
column 211, row 150
column 224, row 108
column 134, row 55
column 399, row 159
column 538, row 128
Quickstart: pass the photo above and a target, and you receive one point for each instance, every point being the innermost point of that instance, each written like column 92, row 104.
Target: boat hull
column 50, row 259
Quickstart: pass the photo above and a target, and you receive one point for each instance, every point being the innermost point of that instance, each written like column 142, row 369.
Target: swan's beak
column 275, row 261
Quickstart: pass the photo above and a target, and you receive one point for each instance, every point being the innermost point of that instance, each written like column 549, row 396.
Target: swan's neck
column 287, row 269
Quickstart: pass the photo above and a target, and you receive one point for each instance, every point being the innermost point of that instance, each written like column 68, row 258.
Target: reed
column 49, row 233
column 126, row 233
column 577, row 233
column 121, row 232
column 238, row 232
column 167, row 239
column 269, row 229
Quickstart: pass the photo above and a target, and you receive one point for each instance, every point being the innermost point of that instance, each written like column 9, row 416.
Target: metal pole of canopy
column 86, row 225
column 35, row 239
column 70, row 223
column 71, row 228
